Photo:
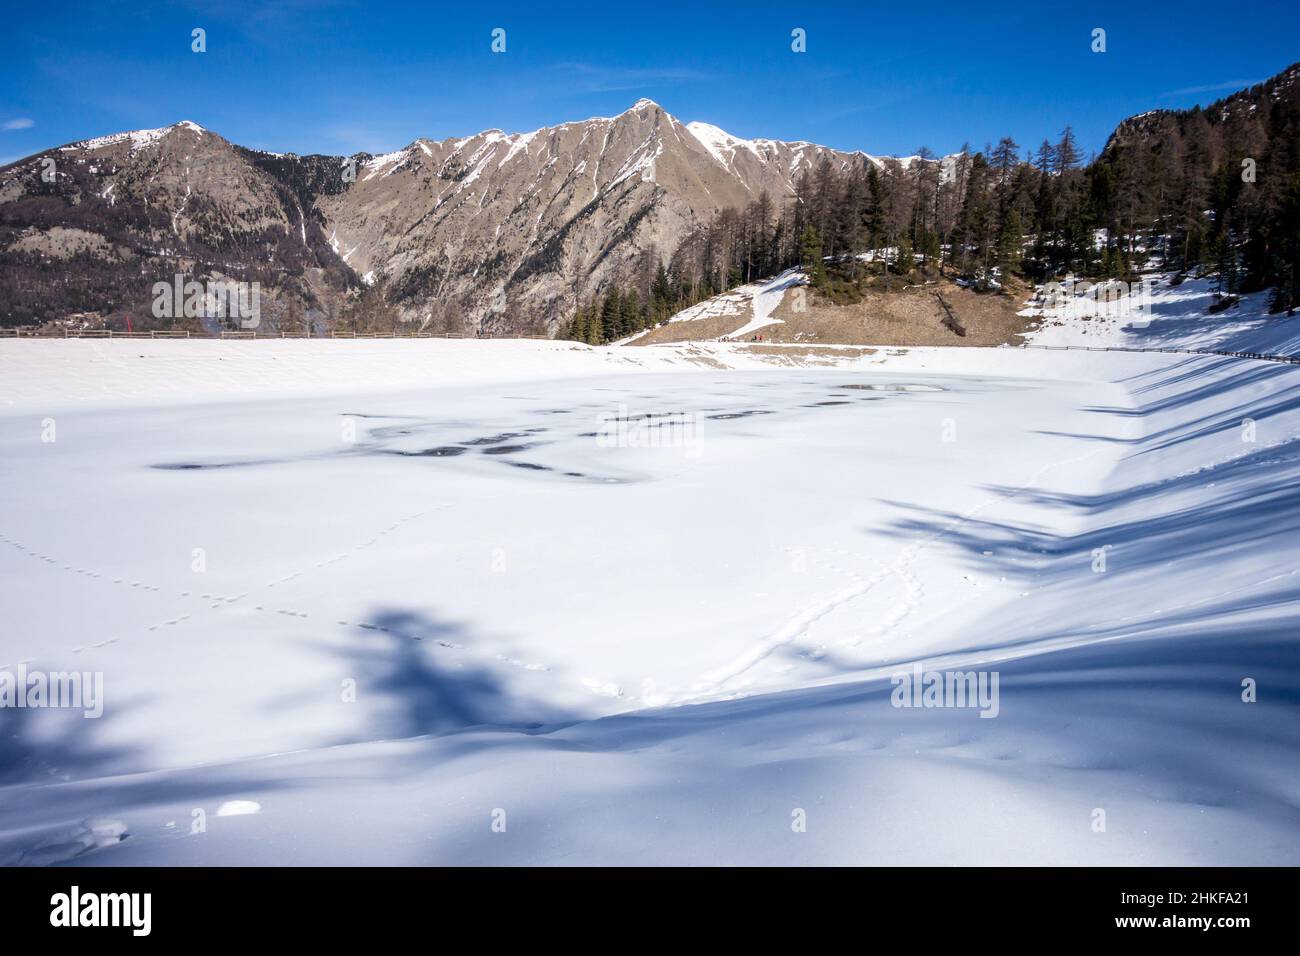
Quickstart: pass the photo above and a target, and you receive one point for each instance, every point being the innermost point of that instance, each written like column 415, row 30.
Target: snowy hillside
column 1157, row 313
column 738, row 314
column 523, row 602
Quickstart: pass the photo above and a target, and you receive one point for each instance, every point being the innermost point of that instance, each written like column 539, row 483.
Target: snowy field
column 424, row 602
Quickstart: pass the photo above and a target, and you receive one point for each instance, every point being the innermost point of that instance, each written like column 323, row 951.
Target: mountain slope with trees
column 598, row 229
column 1212, row 190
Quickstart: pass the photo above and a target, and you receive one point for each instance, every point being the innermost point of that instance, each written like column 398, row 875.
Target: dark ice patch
column 207, row 465
column 744, row 414
column 443, row 451
column 494, row 439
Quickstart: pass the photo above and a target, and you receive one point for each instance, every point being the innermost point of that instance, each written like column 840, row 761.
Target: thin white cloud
column 1212, row 88
column 22, row 122
column 590, row 78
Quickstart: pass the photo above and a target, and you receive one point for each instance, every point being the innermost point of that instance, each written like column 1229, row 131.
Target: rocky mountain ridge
column 507, row 229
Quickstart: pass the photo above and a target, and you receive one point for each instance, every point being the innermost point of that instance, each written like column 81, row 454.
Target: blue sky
column 337, row 76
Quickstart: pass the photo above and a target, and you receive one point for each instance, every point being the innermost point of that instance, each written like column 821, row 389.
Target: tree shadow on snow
column 432, row 681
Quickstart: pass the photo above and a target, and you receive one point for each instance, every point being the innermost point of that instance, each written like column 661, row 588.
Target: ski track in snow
column 714, row 684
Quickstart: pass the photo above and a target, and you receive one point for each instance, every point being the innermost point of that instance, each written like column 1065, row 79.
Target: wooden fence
column 1262, row 356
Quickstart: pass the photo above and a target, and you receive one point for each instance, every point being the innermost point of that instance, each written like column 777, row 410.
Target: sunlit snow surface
column 392, row 618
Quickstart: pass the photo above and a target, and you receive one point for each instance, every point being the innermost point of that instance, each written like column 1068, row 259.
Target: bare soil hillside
column 907, row 316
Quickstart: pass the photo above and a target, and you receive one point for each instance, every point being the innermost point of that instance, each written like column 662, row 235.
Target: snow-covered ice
column 402, row 597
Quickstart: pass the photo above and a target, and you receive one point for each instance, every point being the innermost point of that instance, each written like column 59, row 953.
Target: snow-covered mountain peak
column 720, row 144
column 139, row 138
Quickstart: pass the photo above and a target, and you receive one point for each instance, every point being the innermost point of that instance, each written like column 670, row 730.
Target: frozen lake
column 649, row 616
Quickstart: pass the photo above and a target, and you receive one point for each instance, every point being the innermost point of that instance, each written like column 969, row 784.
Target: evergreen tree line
column 1214, row 190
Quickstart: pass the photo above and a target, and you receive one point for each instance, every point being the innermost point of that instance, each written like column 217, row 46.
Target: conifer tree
column 905, row 262
column 810, row 255
column 609, row 316
column 629, row 313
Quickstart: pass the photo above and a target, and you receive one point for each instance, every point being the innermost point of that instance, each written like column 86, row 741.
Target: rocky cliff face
column 519, row 224
column 509, row 227
column 93, row 225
